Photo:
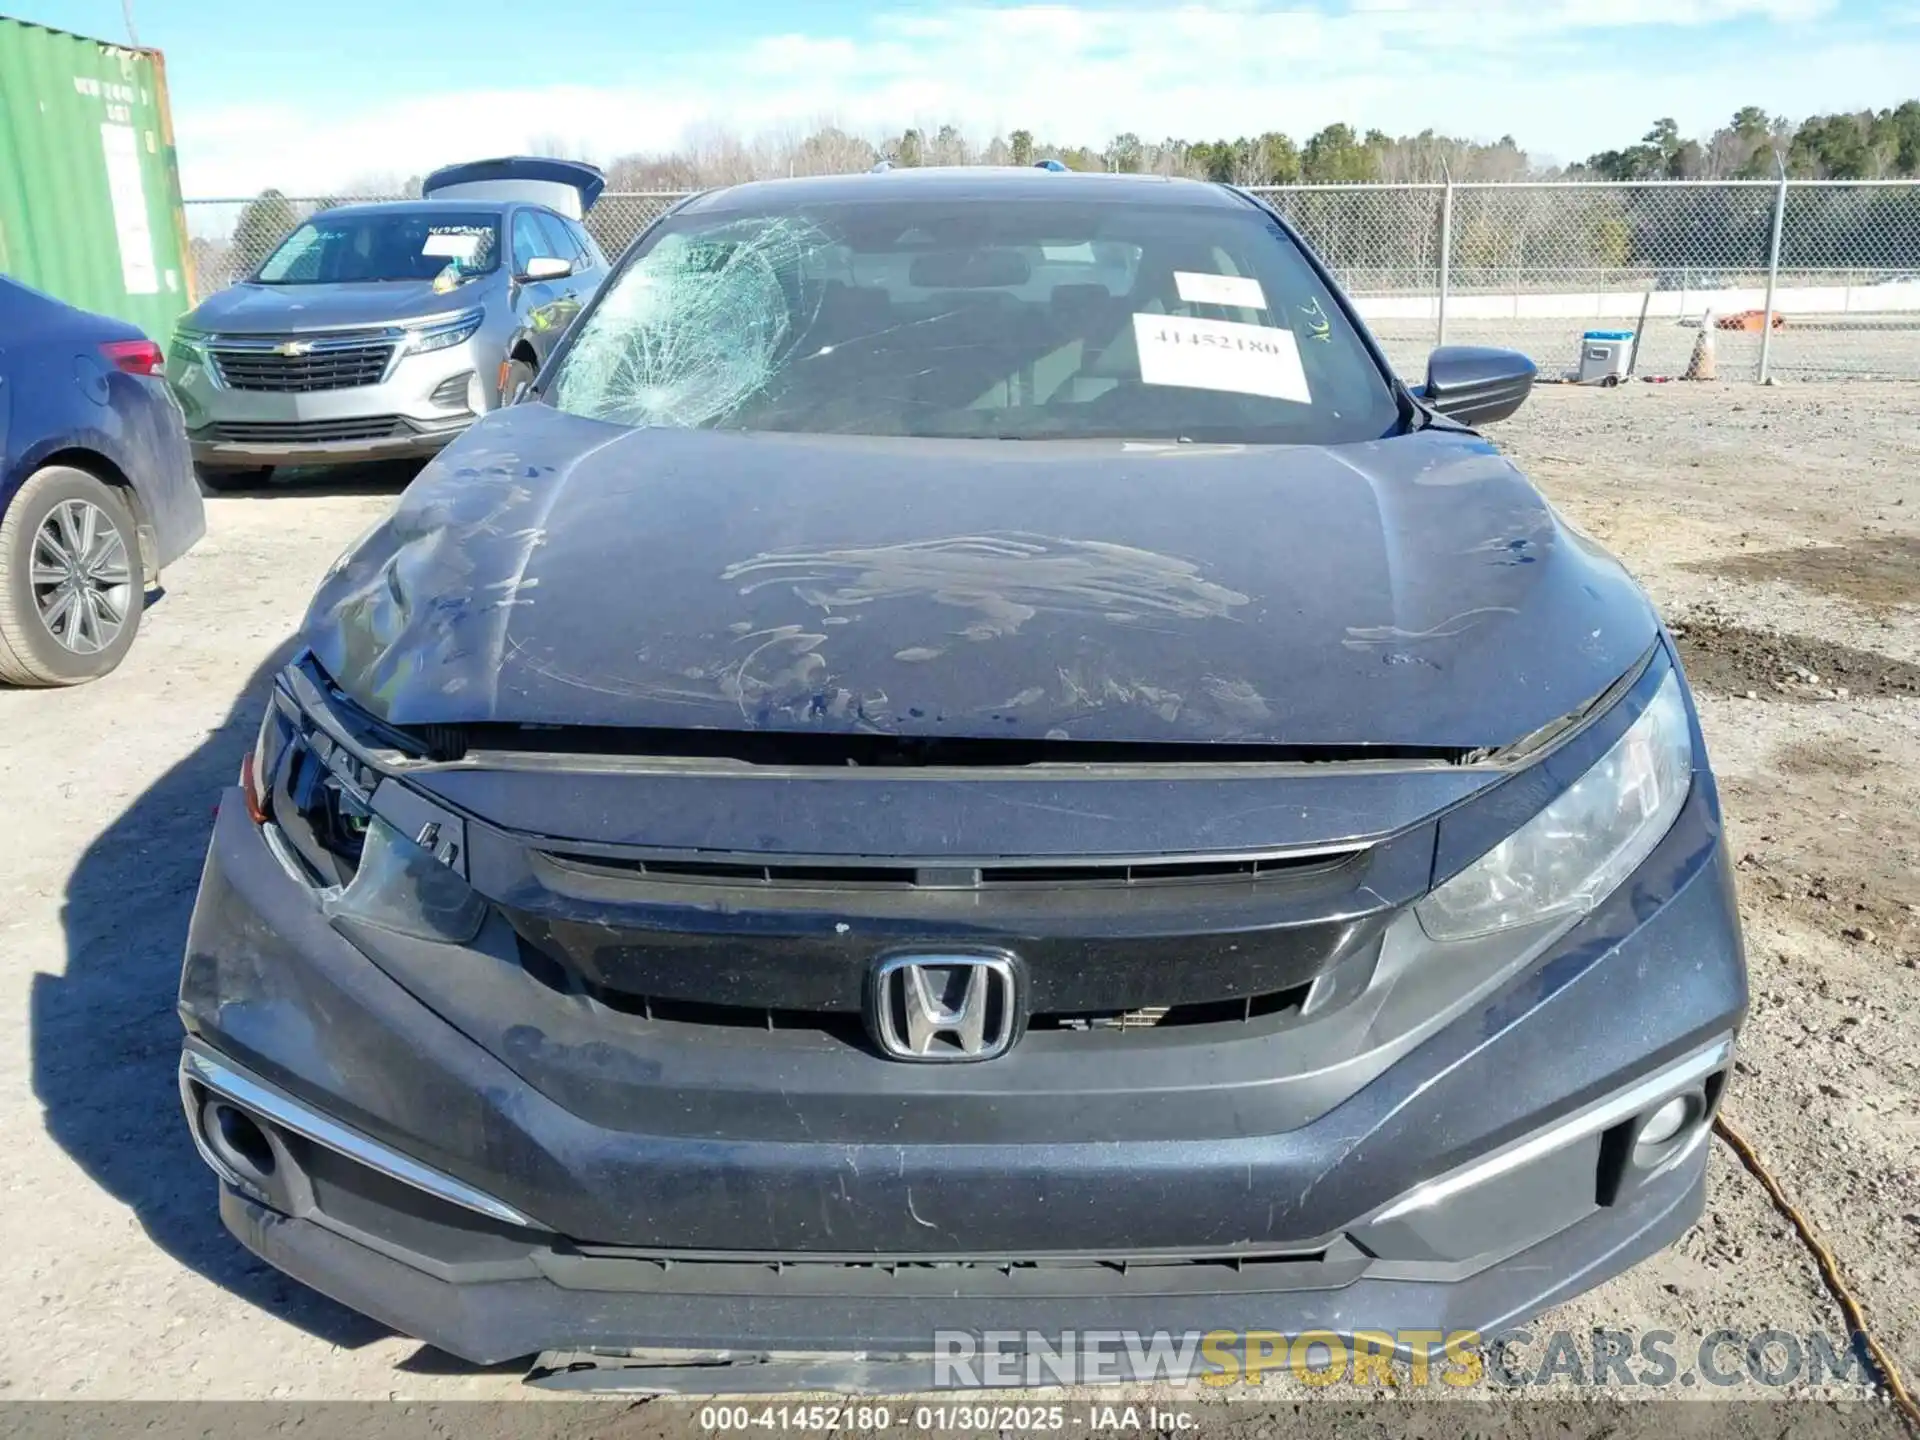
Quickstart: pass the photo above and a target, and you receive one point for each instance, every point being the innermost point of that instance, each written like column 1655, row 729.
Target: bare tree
column 829, row 150
column 948, row 147
column 717, row 156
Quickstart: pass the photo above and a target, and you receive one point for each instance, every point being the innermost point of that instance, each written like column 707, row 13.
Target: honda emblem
column 943, row 1008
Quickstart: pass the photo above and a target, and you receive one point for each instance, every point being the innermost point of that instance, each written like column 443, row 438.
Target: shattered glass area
column 696, row 327
column 881, row 312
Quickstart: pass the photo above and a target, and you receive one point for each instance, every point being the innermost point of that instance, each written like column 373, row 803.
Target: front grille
column 326, row 364
column 949, row 877
column 306, row 432
column 775, row 968
column 851, row 1028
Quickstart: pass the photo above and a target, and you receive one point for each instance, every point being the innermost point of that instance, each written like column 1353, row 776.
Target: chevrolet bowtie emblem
column 293, row 347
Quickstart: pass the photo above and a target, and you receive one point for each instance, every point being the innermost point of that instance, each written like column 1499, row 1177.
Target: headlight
column 261, row 769
column 445, row 335
column 1571, row 855
column 400, row 887
column 315, row 794
column 191, row 346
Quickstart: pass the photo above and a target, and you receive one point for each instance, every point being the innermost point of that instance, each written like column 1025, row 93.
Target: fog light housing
column 456, row 391
column 1669, row 1131
column 476, row 393
column 238, row 1140
column 1667, row 1121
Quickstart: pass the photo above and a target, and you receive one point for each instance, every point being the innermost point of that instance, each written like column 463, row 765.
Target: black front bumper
column 213, row 450
column 643, row 1230
column 487, row 1320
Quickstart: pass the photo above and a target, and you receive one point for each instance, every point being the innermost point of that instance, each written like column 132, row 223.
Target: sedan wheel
column 71, row 588
column 81, row 576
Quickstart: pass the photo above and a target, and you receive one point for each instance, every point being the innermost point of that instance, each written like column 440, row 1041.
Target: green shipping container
column 89, row 187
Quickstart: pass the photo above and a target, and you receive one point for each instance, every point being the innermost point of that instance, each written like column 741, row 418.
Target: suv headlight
column 446, row 334
column 1571, row 855
column 191, row 346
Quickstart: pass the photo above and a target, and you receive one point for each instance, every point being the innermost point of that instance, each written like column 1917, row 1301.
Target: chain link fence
column 1532, row 266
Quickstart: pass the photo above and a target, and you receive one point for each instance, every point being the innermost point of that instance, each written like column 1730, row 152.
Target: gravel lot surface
column 1778, row 529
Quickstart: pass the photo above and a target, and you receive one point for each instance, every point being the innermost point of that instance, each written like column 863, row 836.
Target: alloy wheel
column 81, row 576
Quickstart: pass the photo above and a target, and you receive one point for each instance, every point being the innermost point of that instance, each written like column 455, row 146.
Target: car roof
column 968, row 182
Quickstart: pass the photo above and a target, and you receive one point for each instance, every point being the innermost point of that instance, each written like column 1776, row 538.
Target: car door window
column 554, row 239
column 527, row 241
column 589, row 252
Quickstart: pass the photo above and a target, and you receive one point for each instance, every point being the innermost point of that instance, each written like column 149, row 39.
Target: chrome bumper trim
column 1603, row 1114
column 249, row 1092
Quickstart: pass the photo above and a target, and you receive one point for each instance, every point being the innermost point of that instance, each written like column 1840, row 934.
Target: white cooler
column 1603, row 357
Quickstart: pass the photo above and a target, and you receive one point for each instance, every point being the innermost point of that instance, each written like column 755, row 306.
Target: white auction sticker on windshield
column 1198, row 289
column 1220, row 355
column 454, row 245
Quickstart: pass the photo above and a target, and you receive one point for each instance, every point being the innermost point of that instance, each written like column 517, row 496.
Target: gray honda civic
column 968, row 759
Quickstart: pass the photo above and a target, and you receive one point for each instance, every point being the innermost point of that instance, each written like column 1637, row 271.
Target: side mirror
column 547, row 267
column 1476, row 385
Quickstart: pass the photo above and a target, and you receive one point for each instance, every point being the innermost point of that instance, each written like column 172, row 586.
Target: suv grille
column 337, row 363
column 306, row 432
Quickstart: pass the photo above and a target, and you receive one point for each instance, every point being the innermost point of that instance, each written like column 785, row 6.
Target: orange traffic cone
column 1700, row 365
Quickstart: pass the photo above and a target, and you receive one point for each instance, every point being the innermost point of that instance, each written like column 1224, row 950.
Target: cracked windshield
column 1036, row 320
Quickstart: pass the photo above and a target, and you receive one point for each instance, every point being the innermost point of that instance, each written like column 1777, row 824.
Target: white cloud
column 1564, row 77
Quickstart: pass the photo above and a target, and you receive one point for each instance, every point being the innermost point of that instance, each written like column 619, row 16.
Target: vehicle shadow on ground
column 105, row 1040
column 309, row 482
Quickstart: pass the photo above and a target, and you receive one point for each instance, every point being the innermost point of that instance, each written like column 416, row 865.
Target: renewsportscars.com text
column 1460, row 1359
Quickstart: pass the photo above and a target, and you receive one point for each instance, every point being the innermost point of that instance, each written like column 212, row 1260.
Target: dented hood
column 554, row 570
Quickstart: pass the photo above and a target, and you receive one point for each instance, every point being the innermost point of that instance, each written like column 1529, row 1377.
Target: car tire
column 233, row 481
column 518, row 372
column 62, row 513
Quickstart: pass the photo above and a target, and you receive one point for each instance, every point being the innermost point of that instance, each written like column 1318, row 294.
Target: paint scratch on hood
column 1002, row 580
column 1359, row 637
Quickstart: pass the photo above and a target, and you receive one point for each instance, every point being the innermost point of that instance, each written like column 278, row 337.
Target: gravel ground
column 1776, row 528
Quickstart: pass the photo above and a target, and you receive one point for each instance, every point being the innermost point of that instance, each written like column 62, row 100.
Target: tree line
column 1379, row 238
column 1859, row 145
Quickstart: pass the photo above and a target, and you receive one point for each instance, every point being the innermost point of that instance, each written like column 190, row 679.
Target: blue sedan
column 97, row 492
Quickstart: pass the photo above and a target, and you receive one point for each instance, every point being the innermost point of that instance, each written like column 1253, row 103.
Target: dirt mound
column 1735, row 660
column 1881, row 570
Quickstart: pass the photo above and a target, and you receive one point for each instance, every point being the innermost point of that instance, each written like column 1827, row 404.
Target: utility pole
column 1446, row 249
column 1773, row 268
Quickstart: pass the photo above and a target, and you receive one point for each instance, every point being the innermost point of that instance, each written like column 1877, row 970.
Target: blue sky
column 314, row 97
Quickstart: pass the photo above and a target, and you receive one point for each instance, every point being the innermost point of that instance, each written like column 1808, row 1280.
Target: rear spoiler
column 569, row 186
